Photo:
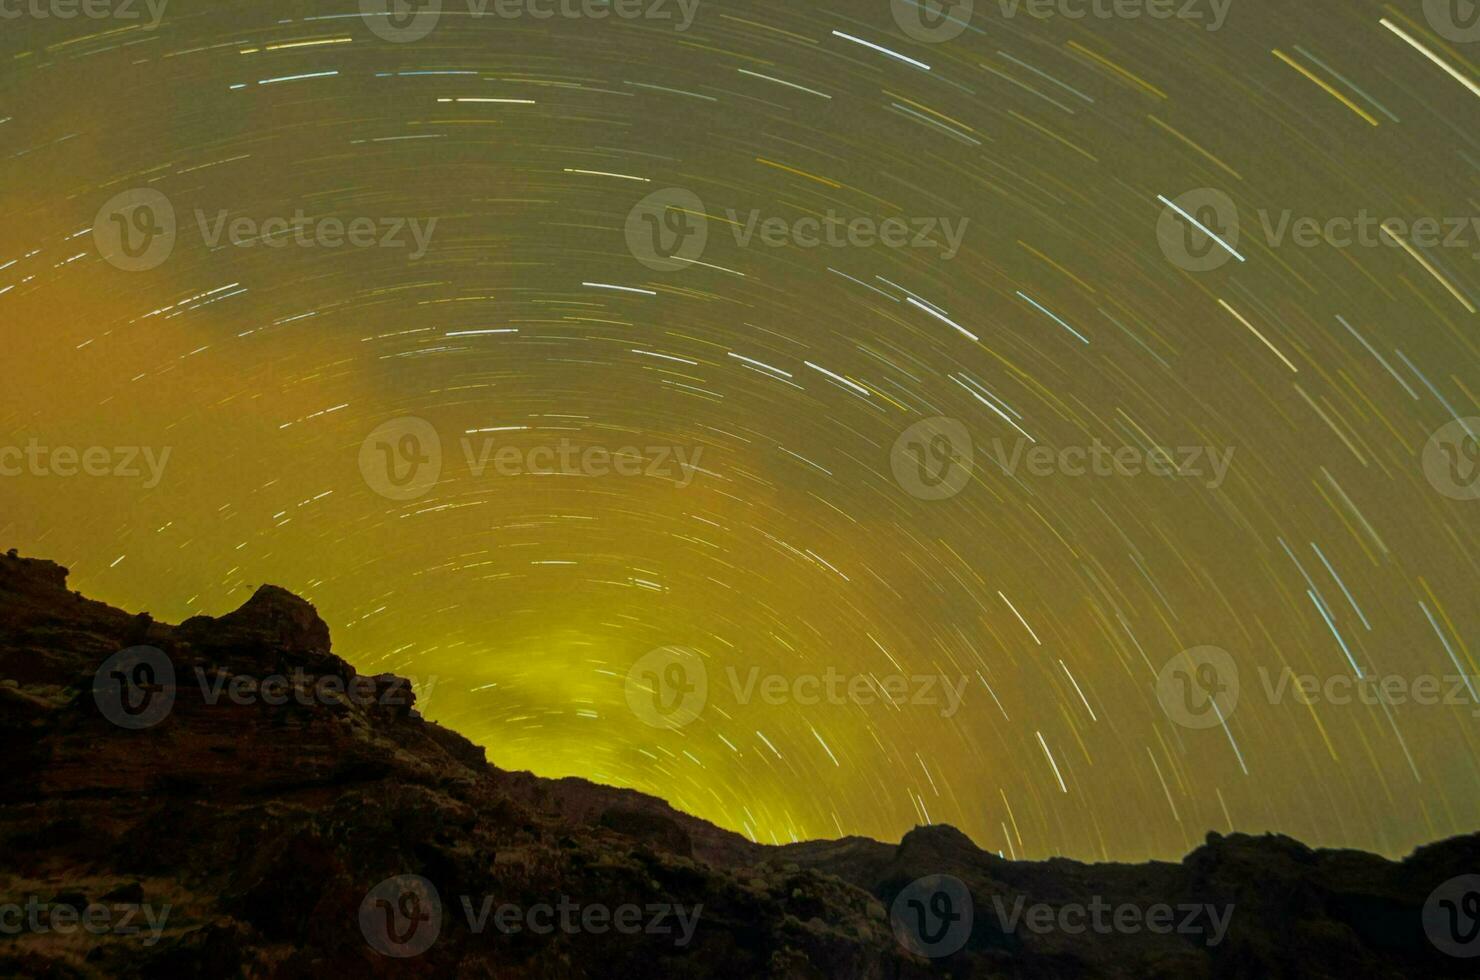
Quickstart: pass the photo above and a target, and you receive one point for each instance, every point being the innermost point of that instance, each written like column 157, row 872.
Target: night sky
column 567, row 362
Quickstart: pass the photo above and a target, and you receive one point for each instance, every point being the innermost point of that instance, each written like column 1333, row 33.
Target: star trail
column 1054, row 419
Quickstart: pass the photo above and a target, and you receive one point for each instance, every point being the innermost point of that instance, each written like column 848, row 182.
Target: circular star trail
column 1055, row 420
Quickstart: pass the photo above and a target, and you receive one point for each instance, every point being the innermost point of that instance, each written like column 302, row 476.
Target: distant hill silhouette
column 310, row 823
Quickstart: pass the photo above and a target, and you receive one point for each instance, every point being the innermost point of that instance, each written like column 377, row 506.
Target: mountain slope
column 286, row 816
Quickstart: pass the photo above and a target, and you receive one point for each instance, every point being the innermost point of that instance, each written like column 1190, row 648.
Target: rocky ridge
column 317, row 825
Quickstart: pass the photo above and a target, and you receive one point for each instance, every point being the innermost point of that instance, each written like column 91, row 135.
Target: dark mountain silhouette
column 310, row 823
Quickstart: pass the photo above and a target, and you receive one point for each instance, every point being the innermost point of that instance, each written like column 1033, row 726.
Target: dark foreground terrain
column 293, row 818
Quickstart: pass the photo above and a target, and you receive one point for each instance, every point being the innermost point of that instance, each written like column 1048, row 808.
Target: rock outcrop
column 228, row 797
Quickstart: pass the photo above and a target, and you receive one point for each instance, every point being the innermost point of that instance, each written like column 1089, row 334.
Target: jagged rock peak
column 37, row 572
column 286, row 619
